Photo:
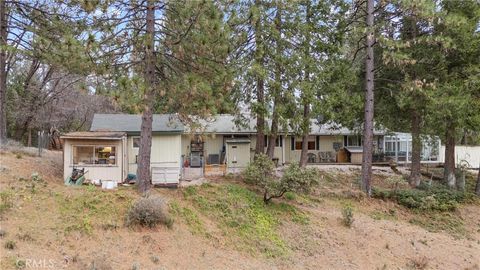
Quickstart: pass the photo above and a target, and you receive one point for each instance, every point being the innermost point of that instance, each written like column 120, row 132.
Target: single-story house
column 109, row 151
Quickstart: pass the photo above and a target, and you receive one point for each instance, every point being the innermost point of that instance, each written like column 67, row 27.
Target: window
column 82, row 155
column 389, row 146
column 354, row 141
column 88, row 155
column 311, row 144
column 298, row 145
column 136, row 142
column 279, row 141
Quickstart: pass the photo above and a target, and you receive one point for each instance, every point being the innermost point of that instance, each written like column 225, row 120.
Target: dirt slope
column 37, row 224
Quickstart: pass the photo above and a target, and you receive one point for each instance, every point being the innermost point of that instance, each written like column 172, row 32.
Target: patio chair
column 311, row 158
column 323, row 156
column 331, row 156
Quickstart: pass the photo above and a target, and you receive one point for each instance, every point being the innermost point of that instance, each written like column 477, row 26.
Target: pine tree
column 455, row 102
column 45, row 35
column 3, row 73
column 369, row 101
column 406, row 79
column 179, row 61
column 317, row 65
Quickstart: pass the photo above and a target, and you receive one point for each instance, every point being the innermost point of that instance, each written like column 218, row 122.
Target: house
column 220, row 137
column 109, row 151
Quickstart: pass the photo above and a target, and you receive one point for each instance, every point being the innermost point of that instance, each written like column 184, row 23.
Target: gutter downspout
column 125, row 158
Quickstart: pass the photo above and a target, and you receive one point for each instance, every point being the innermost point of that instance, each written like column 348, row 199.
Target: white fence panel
column 471, row 154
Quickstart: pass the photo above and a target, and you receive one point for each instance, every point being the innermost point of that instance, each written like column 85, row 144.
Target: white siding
column 165, row 156
column 213, row 144
column 95, row 172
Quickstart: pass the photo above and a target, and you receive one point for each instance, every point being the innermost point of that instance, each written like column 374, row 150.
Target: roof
column 220, row 124
column 237, row 141
column 107, row 135
column 131, row 123
column 354, row 149
column 226, row 124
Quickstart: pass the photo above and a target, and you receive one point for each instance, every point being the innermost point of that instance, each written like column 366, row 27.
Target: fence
column 469, row 154
column 43, row 140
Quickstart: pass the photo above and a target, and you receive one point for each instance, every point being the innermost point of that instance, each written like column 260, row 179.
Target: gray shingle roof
column 225, row 124
column 221, row 124
column 131, row 123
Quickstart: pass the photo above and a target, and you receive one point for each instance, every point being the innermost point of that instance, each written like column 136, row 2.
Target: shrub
column 6, row 201
column 36, row 177
column 419, row 263
column 290, row 196
column 295, row 179
column 260, row 171
column 397, row 182
column 347, row 215
column 10, row 244
column 149, row 212
column 299, row 179
column 432, row 198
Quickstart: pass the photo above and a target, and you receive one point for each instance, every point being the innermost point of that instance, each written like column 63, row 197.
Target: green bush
column 432, row 198
column 290, row 196
column 347, row 215
column 6, row 201
column 10, row 244
column 260, row 171
column 299, row 179
column 149, row 212
column 295, row 179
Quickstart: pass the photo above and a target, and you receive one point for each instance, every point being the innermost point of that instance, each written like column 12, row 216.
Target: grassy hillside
column 224, row 224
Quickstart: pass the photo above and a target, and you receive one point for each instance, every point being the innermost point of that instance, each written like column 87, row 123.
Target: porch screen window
column 88, row 155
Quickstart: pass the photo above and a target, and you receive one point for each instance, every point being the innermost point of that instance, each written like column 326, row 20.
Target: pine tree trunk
column 477, row 189
column 369, row 102
column 449, row 167
column 29, row 138
column 415, row 175
column 259, row 58
column 272, row 137
column 260, row 145
column 273, row 134
column 3, row 73
column 306, row 130
column 306, row 95
column 276, row 91
column 144, row 153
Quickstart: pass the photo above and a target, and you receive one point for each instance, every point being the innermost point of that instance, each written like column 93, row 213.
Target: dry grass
column 221, row 226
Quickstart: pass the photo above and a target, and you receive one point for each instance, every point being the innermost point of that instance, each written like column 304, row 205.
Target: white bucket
column 109, row 184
